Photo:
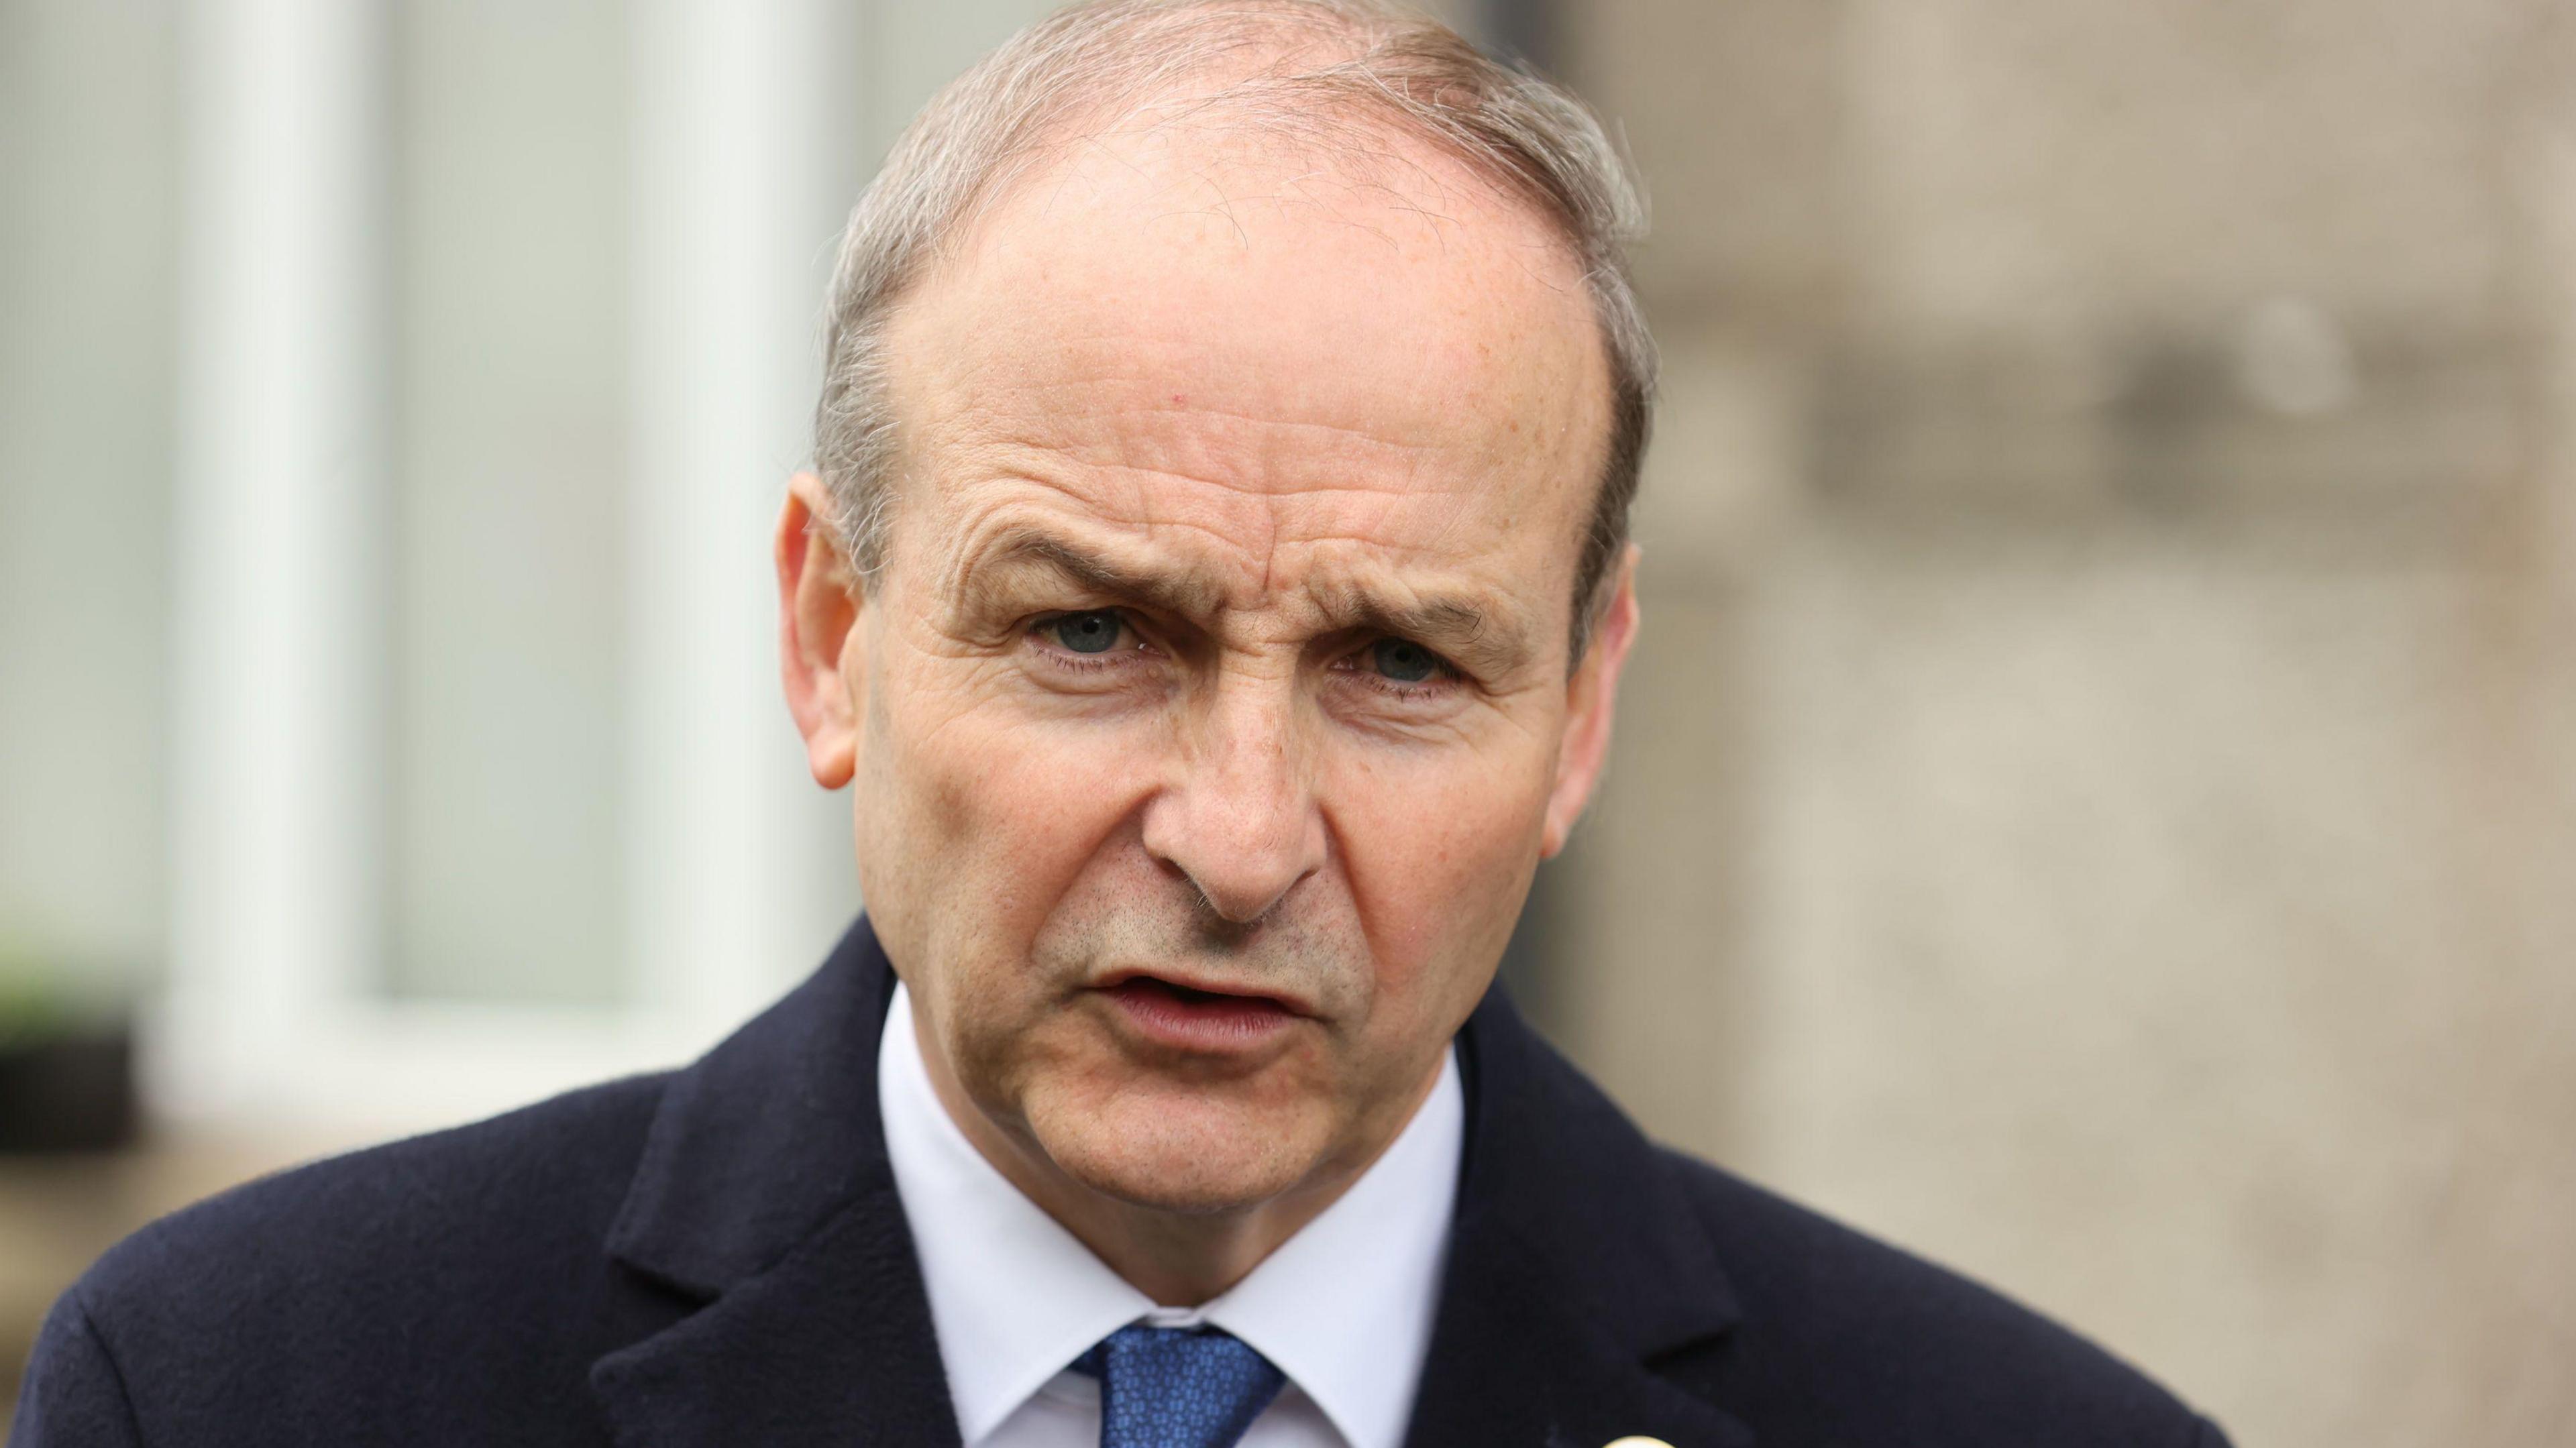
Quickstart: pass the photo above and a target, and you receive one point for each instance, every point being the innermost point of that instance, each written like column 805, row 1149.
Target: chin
column 1180, row 1149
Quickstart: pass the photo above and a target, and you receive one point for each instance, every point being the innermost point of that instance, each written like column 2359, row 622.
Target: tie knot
column 1178, row 1387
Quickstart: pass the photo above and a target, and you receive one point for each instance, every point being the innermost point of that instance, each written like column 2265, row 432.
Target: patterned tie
column 1178, row 1387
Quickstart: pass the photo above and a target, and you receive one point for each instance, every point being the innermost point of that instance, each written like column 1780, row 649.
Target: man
column 1214, row 589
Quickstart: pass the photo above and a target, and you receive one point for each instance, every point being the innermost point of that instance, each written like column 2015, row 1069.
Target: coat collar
column 1577, row 1265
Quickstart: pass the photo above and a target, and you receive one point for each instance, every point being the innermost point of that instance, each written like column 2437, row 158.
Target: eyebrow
column 1459, row 626
column 1023, row 548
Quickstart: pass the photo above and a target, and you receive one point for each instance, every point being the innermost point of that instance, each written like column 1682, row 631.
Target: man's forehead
column 1288, row 307
column 1307, row 372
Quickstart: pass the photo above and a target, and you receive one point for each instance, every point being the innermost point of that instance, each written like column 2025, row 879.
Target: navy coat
column 717, row 1255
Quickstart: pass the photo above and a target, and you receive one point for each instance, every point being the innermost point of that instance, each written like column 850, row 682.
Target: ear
column 1591, row 696
column 820, row 646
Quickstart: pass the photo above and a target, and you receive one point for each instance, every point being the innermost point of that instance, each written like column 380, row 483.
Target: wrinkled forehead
column 1188, row 301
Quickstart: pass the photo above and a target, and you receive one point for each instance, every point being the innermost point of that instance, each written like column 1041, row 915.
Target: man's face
column 1213, row 708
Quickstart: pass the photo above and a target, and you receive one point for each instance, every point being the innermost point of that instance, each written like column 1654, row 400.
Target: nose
column 1239, row 817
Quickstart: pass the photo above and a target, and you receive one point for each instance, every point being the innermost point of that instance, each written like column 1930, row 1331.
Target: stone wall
column 2096, row 799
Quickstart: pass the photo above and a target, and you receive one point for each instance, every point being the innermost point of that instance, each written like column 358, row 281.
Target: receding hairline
column 1366, row 143
column 1369, row 156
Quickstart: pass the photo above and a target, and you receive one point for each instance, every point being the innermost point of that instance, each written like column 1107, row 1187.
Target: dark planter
column 68, row 1092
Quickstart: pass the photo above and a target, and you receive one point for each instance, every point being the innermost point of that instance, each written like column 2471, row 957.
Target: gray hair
column 1352, row 60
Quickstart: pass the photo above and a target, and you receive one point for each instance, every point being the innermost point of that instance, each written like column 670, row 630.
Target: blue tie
column 1178, row 1387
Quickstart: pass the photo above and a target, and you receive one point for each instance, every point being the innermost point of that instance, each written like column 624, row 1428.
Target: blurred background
column 2096, row 802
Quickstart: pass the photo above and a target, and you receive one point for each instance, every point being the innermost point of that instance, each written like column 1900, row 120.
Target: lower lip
column 1212, row 1023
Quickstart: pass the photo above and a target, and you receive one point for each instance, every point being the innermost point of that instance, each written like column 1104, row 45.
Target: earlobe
column 1591, row 700
column 820, row 653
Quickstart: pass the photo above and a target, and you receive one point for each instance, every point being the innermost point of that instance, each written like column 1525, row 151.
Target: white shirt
column 1343, row 1308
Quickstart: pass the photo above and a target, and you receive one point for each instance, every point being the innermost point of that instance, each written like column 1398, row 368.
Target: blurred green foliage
column 41, row 996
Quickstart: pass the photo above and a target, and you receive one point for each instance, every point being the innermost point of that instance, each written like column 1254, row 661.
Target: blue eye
column 1404, row 661
column 1088, row 633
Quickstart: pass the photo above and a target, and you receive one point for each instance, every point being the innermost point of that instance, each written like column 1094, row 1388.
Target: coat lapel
column 1581, row 1286
column 764, row 1195
column 830, row 1346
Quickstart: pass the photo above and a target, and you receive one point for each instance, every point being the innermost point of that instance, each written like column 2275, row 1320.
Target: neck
column 1177, row 1258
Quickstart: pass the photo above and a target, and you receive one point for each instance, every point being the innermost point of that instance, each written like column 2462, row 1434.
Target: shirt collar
column 1344, row 1307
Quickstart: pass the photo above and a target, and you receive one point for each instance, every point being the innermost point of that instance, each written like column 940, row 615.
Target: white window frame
column 273, row 1017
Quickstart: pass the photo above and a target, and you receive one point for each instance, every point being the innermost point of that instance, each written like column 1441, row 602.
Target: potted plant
column 66, row 1057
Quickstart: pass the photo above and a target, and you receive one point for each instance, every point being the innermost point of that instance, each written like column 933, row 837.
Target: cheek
column 1439, row 851
column 1001, row 812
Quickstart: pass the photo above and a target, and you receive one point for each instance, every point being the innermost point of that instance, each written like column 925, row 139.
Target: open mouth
column 1195, row 1019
